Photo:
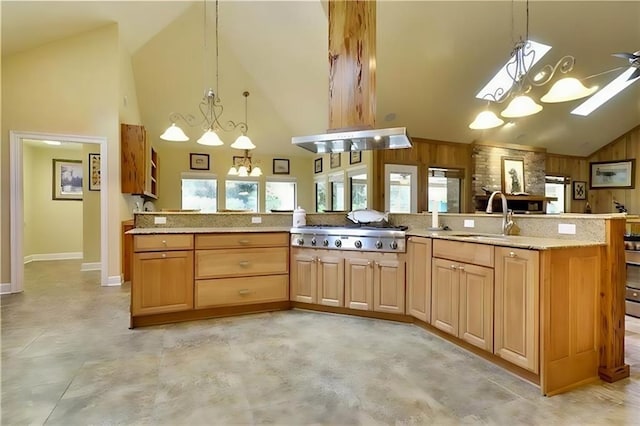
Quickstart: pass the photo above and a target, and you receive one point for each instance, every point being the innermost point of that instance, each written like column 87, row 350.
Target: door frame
column 16, row 185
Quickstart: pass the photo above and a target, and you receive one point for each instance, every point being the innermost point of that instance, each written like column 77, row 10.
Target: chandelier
column 211, row 110
column 515, row 80
column 243, row 167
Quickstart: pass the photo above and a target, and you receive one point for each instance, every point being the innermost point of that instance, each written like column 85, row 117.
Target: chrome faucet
column 507, row 215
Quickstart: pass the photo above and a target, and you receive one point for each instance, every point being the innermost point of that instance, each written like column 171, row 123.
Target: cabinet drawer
column 241, row 291
column 240, row 239
column 159, row 242
column 477, row 254
column 241, row 262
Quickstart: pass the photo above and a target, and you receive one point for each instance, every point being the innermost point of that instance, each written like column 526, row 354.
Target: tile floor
column 68, row 358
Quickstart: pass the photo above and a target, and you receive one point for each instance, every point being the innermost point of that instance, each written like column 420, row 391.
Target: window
column 337, row 191
column 280, row 194
column 358, row 188
column 400, row 184
column 555, row 186
column 321, row 195
column 444, row 189
column 241, row 195
column 199, row 192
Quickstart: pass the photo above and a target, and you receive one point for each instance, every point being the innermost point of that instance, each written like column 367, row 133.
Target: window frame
column 250, row 179
column 201, row 176
column 290, row 179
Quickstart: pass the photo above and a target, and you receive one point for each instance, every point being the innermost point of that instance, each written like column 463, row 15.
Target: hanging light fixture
column 244, row 167
column 210, row 108
column 514, row 81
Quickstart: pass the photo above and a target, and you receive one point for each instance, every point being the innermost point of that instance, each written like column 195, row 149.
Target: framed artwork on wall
column 280, row 166
column 355, row 157
column 612, row 174
column 579, row 190
column 513, row 175
column 334, row 160
column 94, row 172
column 199, row 161
column 67, row 180
column 317, row 165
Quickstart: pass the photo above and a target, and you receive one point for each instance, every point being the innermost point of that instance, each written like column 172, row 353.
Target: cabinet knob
column 635, row 294
column 512, row 254
column 460, row 268
column 243, row 242
column 164, row 254
column 454, row 267
column 318, row 260
column 369, row 264
column 164, row 242
column 243, row 291
column 244, row 263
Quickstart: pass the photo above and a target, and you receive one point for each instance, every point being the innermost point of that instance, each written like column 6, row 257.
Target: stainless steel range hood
column 357, row 140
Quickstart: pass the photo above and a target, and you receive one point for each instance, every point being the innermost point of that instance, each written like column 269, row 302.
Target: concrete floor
column 68, row 358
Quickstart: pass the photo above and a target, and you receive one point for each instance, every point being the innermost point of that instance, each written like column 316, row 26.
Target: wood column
column 612, row 306
column 352, row 64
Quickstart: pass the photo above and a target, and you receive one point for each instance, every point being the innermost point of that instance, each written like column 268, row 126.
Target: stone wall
column 487, row 168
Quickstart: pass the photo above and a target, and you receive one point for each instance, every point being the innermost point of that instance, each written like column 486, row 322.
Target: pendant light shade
column 567, row 89
column 486, row 120
column 232, row 171
column 521, row 106
column 243, row 142
column 210, row 138
column 255, row 172
column 174, row 134
column 242, row 171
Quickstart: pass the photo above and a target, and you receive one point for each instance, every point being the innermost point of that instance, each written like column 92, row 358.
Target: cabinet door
column 162, row 282
column 445, row 295
column 133, row 153
column 476, row 306
column 330, row 280
column 358, row 283
column 516, row 307
column 419, row 278
column 303, row 276
column 388, row 285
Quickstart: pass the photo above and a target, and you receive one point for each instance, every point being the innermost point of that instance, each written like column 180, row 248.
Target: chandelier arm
column 564, row 65
column 190, row 119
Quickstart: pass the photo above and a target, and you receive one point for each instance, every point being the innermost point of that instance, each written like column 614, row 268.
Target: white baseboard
column 5, row 288
column 114, row 280
column 90, row 266
column 52, row 256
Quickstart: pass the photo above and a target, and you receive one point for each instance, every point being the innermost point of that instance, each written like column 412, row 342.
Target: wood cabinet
column 462, row 293
column 375, row 282
column 516, row 333
column 139, row 162
column 419, row 278
column 241, row 268
column 317, row 276
column 162, row 276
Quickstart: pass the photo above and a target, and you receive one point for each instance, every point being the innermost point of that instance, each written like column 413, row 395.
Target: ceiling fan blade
column 634, row 74
column 625, row 55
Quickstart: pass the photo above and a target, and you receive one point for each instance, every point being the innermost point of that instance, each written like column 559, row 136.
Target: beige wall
column 50, row 226
column 69, row 87
column 90, row 210
column 174, row 160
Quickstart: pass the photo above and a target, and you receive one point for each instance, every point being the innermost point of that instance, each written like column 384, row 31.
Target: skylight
column 606, row 93
column 533, row 52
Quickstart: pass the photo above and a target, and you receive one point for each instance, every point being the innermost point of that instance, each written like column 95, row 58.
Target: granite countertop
column 205, row 230
column 518, row 241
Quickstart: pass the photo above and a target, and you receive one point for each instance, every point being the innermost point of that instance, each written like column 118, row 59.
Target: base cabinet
column 375, row 282
column 317, row 277
column 516, row 336
column 462, row 294
column 419, row 278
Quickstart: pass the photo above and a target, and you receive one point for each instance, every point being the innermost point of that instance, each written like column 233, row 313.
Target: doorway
column 17, row 201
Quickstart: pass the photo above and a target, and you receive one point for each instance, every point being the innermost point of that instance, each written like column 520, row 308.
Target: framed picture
column 199, row 161
column 579, row 190
column 355, row 157
column 513, row 175
column 94, row 172
column 317, row 165
column 334, row 160
column 280, row 166
column 612, row 174
column 67, row 180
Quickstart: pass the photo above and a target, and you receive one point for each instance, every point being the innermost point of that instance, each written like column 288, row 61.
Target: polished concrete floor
column 68, row 358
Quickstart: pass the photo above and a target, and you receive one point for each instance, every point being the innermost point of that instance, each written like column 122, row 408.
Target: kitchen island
column 538, row 306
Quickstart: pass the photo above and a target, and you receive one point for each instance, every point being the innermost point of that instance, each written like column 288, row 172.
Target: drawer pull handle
column 512, row 254
column 164, row 242
column 243, row 291
column 244, row 263
column 635, row 294
column 460, row 268
column 454, row 267
column 243, row 242
column 369, row 264
column 164, row 254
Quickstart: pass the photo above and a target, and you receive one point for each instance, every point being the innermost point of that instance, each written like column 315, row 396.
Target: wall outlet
column 469, row 223
column 566, row 228
column 160, row 220
column 256, row 219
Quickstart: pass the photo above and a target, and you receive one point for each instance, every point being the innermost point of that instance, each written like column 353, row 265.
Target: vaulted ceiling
column 432, row 58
